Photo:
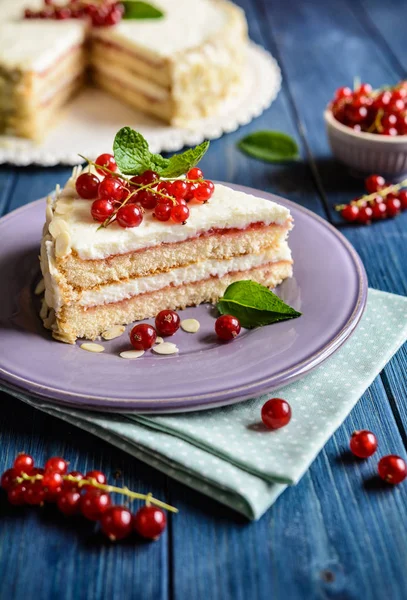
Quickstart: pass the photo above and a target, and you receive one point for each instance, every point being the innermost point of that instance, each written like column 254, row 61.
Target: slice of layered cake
column 117, row 250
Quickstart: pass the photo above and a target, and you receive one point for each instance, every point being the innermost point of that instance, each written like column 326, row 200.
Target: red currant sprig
column 382, row 201
column 89, row 495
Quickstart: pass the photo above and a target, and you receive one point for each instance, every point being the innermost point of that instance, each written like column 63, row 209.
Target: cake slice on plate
column 103, row 273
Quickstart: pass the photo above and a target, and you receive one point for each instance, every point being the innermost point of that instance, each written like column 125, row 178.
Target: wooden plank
column 44, row 555
column 7, row 181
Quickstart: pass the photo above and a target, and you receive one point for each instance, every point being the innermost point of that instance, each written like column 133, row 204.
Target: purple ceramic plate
column 329, row 287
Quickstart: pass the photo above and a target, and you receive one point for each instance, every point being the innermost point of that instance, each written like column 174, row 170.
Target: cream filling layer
column 184, row 275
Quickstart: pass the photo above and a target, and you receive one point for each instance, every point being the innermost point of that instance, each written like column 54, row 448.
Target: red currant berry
column 195, row 173
column 69, row 502
column 87, row 186
column 203, row 192
column 149, row 522
column 276, row 413
column 113, row 17
column 356, row 114
column 180, row 213
column 111, row 189
column 227, row 327
column 28, row 14
column 400, row 93
column 166, row 200
column 117, row 523
column 58, row 464
column 192, row 187
column 402, row 196
column 396, row 105
column 393, row 205
column 165, row 187
column 16, row 494
column 52, row 480
column 179, row 189
column 364, row 88
column 34, row 493
column 363, row 443
column 98, row 475
column 149, row 177
column 8, row 479
column 94, row 503
column 106, row 160
column 143, row 336
column 72, row 485
column 379, row 211
column 101, row 210
column 343, row 92
column 167, row 322
column 62, row 13
column 389, row 120
column 137, row 180
column 391, row 131
column 147, row 199
column 129, row 215
column 374, row 183
column 392, row 469
column 365, row 215
column 162, row 212
column 350, row 212
column 382, row 101
column 24, row 463
column 53, row 495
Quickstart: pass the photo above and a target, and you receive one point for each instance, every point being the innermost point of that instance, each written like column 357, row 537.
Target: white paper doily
column 91, row 121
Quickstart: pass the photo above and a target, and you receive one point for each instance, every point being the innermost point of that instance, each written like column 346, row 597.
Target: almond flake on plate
column 159, row 340
column 165, row 348
column 131, row 354
column 113, row 332
column 89, row 347
column 190, row 325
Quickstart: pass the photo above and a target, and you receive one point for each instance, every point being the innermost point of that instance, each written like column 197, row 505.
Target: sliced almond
column 63, row 244
column 190, row 325
column 159, row 340
column 40, row 287
column 44, row 310
column 165, row 348
column 63, row 337
column 57, row 226
column 90, row 347
column 132, row 354
column 113, row 332
column 63, row 207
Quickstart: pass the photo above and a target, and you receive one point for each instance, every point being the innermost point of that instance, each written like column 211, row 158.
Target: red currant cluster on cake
column 89, row 495
column 101, row 14
column 382, row 111
column 116, row 198
column 381, row 202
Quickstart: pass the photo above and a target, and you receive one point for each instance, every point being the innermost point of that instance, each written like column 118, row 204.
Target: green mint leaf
column 140, row 10
column 181, row 163
column 254, row 305
column 269, row 146
column 131, row 152
column 158, row 163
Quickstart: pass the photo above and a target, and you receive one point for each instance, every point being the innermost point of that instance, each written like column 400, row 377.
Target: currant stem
column 370, row 197
column 149, row 498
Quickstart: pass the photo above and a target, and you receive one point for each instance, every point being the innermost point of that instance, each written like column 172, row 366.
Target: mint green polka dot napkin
column 226, row 453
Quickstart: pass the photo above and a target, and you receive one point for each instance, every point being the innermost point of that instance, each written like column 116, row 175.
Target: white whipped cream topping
column 227, row 209
column 177, row 277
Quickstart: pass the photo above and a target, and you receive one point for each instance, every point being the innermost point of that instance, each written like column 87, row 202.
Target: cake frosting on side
column 97, row 278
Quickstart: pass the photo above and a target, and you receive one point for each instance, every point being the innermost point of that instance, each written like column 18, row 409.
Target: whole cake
column 178, row 67
column 117, row 249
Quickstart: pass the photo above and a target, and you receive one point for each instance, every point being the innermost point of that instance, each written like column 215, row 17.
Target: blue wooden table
column 336, row 534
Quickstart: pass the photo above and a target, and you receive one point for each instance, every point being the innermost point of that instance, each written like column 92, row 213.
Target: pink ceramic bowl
column 367, row 152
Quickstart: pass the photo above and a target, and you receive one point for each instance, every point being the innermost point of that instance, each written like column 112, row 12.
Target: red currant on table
column 69, row 502
column 34, row 493
column 276, row 413
column 111, row 189
column 363, row 443
column 8, row 479
column 204, row 191
column 24, row 463
column 195, row 173
column 117, row 522
column 101, row 210
column 52, row 480
column 71, row 485
column 162, row 211
column 365, row 215
column 379, row 210
column 167, row 322
column 129, row 215
column 180, row 213
column 392, row 469
column 87, row 186
column 147, row 199
column 16, row 494
column 374, row 183
column 94, row 503
column 402, row 196
column 106, row 160
column 393, row 205
column 58, row 464
column 350, row 212
column 97, row 475
column 227, row 327
column 149, row 522
column 143, row 336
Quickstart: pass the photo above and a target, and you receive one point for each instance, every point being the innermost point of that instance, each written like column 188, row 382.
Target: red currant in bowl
column 227, row 327
column 167, row 322
column 143, row 336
